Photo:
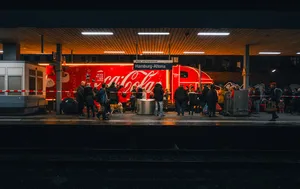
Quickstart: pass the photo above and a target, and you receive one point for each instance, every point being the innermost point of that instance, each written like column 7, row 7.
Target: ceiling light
column 114, row 52
column 270, row 53
column 153, row 52
column 193, row 52
column 214, row 33
column 153, row 33
column 273, row 70
column 97, row 33
column 1, row 51
column 296, row 53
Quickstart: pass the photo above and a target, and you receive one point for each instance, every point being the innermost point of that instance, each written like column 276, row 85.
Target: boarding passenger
column 80, row 98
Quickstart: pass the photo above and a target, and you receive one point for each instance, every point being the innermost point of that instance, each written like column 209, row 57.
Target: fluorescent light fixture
column 296, row 53
column 269, row 53
column 214, row 33
column 97, row 33
column 153, row 52
column 273, row 70
column 114, row 52
column 153, row 33
column 44, row 64
column 187, row 52
column 1, row 51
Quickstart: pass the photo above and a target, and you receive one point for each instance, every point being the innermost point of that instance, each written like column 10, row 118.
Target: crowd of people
column 209, row 100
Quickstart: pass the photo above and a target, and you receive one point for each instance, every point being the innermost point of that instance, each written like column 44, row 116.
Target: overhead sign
column 153, row 61
column 153, row 64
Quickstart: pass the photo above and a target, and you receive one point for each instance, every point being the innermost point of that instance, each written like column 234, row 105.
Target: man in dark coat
column 158, row 93
column 181, row 98
column 112, row 93
column 89, row 99
column 102, row 99
column 80, row 98
column 275, row 95
column 212, row 100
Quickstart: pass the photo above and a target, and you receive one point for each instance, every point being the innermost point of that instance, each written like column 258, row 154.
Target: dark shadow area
column 149, row 157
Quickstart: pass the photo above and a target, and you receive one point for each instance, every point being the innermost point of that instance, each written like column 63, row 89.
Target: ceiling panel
column 180, row 40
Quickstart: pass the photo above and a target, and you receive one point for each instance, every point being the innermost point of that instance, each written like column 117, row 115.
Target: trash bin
column 145, row 107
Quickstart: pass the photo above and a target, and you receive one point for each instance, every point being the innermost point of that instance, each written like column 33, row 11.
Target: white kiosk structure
column 22, row 88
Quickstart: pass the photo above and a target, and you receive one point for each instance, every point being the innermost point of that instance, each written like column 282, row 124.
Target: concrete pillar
column 11, row 51
column 58, row 72
column 246, row 67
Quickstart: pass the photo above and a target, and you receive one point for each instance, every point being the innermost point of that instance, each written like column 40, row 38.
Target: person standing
column 133, row 99
column 80, row 98
column 166, row 99
column 192, row 102
column 158, row 93
column 256, row 100
column 212, row 100
column 181, row 97
column 89, row 99
column 103, row 100
column 275, row 95
column 122, row 96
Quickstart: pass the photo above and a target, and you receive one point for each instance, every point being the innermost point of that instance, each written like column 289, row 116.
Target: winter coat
column 158, row 93
column 80, row 94
column 181, row 94
column 212, row 98
column 122, row 99
column 89, row 96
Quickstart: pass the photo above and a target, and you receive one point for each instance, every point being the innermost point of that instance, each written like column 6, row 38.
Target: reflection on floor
column 170, row 118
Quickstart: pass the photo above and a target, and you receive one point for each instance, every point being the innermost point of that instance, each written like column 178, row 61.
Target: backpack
column 278, row 93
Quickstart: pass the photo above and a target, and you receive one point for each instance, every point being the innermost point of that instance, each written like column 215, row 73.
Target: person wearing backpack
column 275, row 95
column 103, row 100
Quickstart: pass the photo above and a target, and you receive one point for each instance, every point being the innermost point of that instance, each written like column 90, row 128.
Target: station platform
column 169, row 119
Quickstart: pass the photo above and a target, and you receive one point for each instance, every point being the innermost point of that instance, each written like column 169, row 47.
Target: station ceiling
column 180, row 40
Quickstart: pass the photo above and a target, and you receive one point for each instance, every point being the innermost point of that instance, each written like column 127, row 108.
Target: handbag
column 271, row 106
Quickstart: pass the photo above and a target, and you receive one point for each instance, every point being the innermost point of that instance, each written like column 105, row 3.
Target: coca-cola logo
column 142, row 79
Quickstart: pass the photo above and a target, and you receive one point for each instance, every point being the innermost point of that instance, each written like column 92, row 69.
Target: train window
column 14, row 83
column 32, row 85
column 39, row 85
column 39, row 82
column 32, row 73
column 2, row 84
column 184, row 74
column 32, row 80
column 39, row 74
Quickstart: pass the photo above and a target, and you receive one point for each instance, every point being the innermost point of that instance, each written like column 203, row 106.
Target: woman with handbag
column 103, row 100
